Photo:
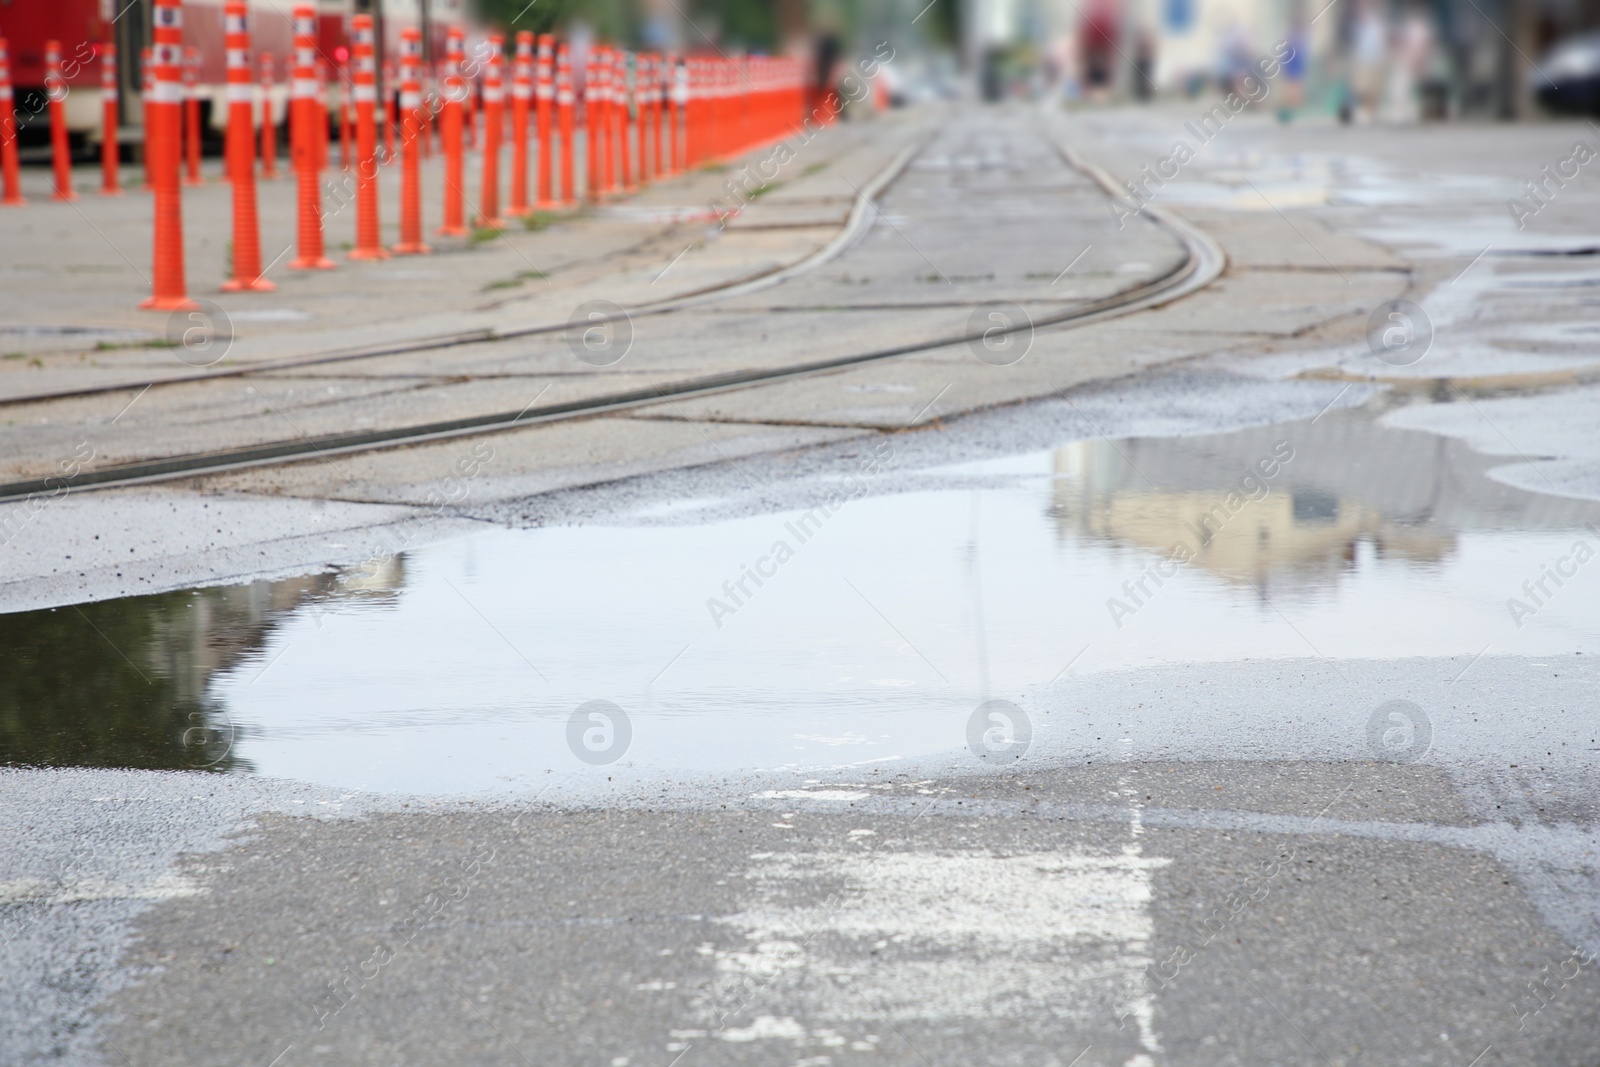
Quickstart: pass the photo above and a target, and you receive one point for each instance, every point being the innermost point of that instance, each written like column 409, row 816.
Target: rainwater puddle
column 837, row 636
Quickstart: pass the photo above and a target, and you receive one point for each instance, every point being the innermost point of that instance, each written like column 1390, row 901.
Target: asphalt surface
column 1225, row 858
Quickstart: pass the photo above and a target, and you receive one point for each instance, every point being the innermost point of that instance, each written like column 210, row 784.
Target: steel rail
column 1203, row 263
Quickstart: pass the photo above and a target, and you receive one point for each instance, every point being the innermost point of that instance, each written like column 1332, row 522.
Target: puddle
column 816, row 638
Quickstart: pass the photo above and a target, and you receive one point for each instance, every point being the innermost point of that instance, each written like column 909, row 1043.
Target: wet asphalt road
column 1190, row 913
column 1191, row 863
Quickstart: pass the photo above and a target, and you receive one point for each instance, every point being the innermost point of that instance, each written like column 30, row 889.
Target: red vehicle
column 82, row 26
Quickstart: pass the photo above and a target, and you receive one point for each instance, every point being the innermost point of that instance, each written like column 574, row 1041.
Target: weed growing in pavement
column 113, row 346
column 539, row 220
column 516, row 280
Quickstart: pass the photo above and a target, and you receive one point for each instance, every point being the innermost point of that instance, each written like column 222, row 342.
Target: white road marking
column 953, row 936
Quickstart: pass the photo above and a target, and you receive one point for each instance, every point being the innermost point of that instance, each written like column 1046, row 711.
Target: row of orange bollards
column 644, row 116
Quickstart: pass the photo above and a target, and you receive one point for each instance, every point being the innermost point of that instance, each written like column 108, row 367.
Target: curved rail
column 1203, row 264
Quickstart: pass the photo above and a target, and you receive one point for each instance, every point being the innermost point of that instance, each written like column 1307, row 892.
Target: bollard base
column 451, row 231
column 254, row 285
column 367, row 253
column 404, row 249
column 312, row 263
column 168, row 303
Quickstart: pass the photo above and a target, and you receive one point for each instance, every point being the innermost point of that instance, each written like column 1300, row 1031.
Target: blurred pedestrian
column 1237, row 61
column 1099, row 50
column 1368, row 55
column 1294, row 74
column 1144, row 65
column 1415, row 62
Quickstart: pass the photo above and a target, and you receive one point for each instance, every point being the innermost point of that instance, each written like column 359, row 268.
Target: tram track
column 1203, row 262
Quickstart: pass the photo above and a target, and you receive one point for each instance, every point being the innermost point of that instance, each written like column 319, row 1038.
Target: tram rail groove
column 1204, row 262
column 848, row 234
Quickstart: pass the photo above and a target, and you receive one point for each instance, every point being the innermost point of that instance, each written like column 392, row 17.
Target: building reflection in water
column 1349, row 482
column 126, row 683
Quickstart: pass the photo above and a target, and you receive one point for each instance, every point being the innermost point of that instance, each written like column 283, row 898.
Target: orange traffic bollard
column 678, row 119
column 649, row 109
column 622, row 99
column 591, row 120
column 521, row 98
column 303, row 147
column 639, row 93
column 452, row 134
column 726, row 115
column 55, row 90
column 191, row 114
column 544, row 91
column 10, row 170
column 691, row 112
column 164, row 151
column 366, row 94
column 717, row 125
column 565, row 101
column 110, row 147
column 641, row 116
column 493, row 129
column 410, row 144
column 608, row 121
column 269, row 125
column 665, row 71
column 241, row 153
column 732, row 98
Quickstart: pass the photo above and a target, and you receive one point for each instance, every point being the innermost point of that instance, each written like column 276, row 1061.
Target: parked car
column 1567, row 79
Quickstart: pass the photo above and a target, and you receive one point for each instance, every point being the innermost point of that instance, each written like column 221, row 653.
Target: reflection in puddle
column 873, row 637
column 132, row 682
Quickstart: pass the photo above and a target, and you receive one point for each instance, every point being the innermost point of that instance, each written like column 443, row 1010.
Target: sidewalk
column 69, row 308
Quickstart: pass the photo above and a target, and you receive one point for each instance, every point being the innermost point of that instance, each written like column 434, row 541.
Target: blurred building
column 1405, row 494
